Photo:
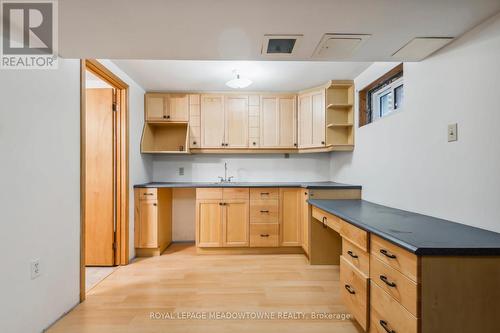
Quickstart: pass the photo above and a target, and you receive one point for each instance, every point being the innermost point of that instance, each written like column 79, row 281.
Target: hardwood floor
column 181, row 282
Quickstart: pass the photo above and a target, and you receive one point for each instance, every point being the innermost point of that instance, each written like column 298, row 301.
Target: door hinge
column 114, row 107
column 114, row 246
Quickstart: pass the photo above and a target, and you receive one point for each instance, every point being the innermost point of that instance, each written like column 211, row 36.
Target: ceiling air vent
column 339, row 46
column 280, row 45
column 420, row 48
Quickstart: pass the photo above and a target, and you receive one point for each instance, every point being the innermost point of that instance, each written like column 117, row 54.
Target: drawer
column 209, row 193
column 401, row 288
column 355, row 235
column 357, row 257
column 235, row 193
column 387, row 315
column 396, row 257
column 264, row 193
column 264, row 235
column 264, row 211
column 148, row 193
column 330, row 220
column 354, row 291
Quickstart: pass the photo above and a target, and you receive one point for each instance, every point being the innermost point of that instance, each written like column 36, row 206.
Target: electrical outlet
column 35, row 269
column 452, row 132
column 181, row 171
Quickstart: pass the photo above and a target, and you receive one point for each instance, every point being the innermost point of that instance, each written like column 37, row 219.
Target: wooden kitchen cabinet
column 236, row 122
column 278, row 122
column 235, row 223
column 290, row 226
column 153, row 220
column 222, row 217
column 311, row 119
column 209, row 223
column 167, row 107
column 212, row 121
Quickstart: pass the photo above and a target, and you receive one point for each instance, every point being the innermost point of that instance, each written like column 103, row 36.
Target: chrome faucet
column 225, row 179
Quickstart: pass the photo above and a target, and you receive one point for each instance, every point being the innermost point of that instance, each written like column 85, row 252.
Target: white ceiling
column 234, row 29
column 187, row 75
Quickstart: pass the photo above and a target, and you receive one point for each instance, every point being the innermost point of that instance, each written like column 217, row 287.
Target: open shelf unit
column 165, row 137
column 340, row 115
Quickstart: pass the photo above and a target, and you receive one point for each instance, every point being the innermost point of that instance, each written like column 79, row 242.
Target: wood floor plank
column 180, row 281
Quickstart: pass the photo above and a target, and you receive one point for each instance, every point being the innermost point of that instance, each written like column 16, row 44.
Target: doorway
column 104, row 174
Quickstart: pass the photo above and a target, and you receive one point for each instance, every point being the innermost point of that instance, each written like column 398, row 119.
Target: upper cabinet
column 167, row 107
column 212, row 121
column 236, row 122
column 311, row 119
column 278, row 122
column 316, row 120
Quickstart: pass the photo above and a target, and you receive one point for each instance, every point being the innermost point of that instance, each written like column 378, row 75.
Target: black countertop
column 312, row 185
column 420, row 234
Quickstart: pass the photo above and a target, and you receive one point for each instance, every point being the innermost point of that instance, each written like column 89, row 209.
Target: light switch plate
column 452, row 132
column 181, row 171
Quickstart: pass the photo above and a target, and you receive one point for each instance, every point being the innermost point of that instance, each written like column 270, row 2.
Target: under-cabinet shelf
column 165, row 138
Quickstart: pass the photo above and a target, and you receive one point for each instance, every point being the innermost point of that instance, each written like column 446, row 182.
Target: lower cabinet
column 153, row 220
column 243, row 217
column 354, row 289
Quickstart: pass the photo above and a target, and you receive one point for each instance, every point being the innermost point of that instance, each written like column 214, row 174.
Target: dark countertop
column 420, row 234
column 312, row 185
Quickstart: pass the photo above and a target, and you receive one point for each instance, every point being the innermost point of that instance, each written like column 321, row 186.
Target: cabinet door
column 269, row 122
column 155, row 107
column 305, row 126
column 148, row 224
column 318, row 119
column 236, row 223
column 290, row 216
column 212, row 121
column 178, row 107
column 287, row 123
column 304, row 217
column 236, row 112
column 209, row 223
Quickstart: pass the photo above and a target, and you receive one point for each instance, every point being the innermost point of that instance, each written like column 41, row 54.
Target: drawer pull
column 387, row 254
column 324, row 222
column 349, row 289
column 264, row 211
column 264, row 193
column 264, row 235
column 384, row 279
column 383, row 323
column 148, row 193
column 352, row 254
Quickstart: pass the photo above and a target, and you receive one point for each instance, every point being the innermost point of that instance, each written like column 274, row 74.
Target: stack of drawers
column 394, row 288
column 354, row 271
column 264, row 217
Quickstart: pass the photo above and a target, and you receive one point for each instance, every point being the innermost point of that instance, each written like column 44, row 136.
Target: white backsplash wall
column 244, row 168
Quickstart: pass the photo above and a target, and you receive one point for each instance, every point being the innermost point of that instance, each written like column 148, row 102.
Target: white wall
column 273, row 167
column 140, row 166
column 40, row 195
column 405, row 161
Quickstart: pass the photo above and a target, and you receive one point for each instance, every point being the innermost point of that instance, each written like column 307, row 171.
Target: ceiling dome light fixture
column 238, row 82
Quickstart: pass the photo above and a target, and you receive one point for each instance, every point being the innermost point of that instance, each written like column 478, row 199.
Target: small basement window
column 382, row 97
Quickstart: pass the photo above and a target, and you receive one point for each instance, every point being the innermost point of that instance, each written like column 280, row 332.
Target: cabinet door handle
column 387, row 254
column 264, row 235
column 385, row 326
column 322, row 142
column 352, row 254
column 164, row 117
column 168, row 117
column 295, row 145
column 349, row 289
column 154, row 204
column 323, row 220
column 264, row 211
column 222, row 204
column 254, row 143
column 194, row 142
column 384, row 279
